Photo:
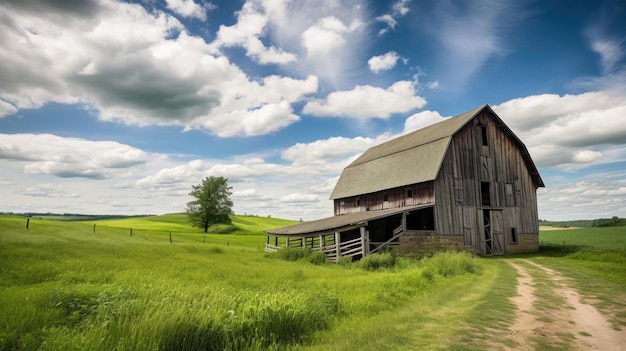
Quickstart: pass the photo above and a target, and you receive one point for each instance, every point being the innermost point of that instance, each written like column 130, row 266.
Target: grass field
column 65, row 287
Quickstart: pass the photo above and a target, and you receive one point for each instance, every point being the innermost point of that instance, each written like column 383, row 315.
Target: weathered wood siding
column 500, row 164
column 412, row 195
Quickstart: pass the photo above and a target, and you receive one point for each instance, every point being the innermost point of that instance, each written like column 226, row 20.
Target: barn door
column 497, row 232
column 492, row 242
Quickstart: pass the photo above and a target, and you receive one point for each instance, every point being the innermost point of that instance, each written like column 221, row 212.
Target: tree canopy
column 212, row 204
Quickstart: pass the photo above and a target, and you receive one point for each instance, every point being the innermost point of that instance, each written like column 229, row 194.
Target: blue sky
column 119, row 107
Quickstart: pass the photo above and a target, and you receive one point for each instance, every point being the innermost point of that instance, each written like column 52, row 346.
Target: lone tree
column 212, row 203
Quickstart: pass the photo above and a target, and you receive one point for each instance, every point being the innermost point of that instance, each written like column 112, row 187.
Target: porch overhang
column 340, row 223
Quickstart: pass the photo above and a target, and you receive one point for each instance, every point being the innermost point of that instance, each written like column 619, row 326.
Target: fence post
column 170, row 237
column 27, row 222
column 131, row 232
column 94, row 227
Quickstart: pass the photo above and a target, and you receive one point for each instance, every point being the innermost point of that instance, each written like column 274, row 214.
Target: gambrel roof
column 413, row 158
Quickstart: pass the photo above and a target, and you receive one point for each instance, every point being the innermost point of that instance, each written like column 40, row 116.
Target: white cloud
column 251, row 24
column 591, row 198
column 399, row 9
column 48, row 190
column 384, row 62
column 327, row 35
column 299, row 198
column 187, row 8
column 70, row 157
column 611, row 50
column 137, row 68
column 336, row 150
column 570, row 130
column 366, row 101
column 420, row 120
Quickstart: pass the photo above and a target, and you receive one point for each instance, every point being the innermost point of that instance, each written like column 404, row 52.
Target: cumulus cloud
column 366, row 101
column 187, row 8
column 384, row 62
column 565, row 131
column 251, row 24
column 174, row 178
column 334, row 149
column 327, row 35
column 136, row 67
column 70, row 157
column 420, row 120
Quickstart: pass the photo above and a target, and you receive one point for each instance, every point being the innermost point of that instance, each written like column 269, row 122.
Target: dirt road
column 552, row 315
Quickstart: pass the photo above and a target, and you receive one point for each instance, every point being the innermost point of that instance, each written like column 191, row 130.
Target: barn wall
column 416, row 194
column 501, row 164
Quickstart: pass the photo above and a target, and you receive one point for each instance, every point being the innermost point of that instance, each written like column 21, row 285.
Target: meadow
column 76, row 286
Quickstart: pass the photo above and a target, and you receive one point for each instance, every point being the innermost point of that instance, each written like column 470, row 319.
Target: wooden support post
column 276, row 241
column 287, row 241
column 321, row 242
column 338, row 245
column 363, row 241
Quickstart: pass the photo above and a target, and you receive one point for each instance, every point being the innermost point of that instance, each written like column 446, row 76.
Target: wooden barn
column 466, row 183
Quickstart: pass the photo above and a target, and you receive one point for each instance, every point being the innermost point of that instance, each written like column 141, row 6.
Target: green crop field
column 66, row 286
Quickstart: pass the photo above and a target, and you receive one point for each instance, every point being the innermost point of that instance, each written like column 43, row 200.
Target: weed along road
column 551, row 313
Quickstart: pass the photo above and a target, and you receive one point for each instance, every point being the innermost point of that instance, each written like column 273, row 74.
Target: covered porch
column 353, row 235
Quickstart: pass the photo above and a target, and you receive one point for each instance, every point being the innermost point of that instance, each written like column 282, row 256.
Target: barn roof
column 413, row 158
column 339, row 223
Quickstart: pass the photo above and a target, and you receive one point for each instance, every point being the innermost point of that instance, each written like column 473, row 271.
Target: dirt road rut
column 552, row 315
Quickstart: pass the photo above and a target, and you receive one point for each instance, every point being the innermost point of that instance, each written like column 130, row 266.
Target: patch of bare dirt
column 572, row 324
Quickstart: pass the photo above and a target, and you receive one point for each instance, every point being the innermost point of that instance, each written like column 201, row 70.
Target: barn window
column 422, row 219
column 409, row 193
column 514, row 235
column 485, row 196
column 483, row 133
column 385, row 197
column 358, row 202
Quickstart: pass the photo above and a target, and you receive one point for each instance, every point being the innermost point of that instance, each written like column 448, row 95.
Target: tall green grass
column 64, row 287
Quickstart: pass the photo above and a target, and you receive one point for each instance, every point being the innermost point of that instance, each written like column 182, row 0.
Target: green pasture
column 65, row 287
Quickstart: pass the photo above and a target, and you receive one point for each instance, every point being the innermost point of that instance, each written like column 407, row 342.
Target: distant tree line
column 586, row 223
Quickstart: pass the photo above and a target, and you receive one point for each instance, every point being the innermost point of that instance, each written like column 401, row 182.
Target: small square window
column 385, row 197
column 409, row 193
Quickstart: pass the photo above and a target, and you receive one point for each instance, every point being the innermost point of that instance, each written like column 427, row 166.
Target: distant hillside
column 177, row 222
